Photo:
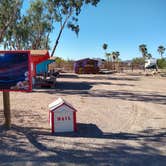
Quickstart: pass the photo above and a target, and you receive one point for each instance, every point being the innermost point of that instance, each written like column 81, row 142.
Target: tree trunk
column 60, row 33
column 6, row 104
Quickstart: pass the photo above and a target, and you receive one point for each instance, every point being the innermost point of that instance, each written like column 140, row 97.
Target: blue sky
column 122, row 24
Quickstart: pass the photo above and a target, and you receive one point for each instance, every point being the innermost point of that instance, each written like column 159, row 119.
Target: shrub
column 138, row 60
column 161, row 63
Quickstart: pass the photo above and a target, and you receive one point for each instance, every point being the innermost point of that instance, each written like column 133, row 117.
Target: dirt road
column 121, row 121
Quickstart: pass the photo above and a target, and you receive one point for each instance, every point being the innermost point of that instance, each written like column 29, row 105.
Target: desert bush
column 161, row 63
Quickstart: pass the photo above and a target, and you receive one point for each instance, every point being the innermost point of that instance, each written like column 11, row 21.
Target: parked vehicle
column 151, row 63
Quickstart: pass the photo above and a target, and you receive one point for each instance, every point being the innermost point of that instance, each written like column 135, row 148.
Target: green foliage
column 39, row 24
column 161, row 63
column 29, row 31
column 138, row 60
column 115, row 55
column 108, row 56
column 32, row 30
column 149, row 55
column 66, row 12
column 105, row 46
column 10, row 13
column 143, row 49
column 59, row 60
column 161, row 50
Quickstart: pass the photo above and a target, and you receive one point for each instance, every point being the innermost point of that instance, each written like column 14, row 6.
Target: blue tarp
column 43, row 66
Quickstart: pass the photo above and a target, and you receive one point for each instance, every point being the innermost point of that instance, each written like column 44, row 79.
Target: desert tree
column 143, row 50
column 40, row 25
column 65, row 13
column 161, row 50
column 149, row 55
column 105, row 46
column 107, row 54
column 10, row 13
column 33, row 28
column 115, row 55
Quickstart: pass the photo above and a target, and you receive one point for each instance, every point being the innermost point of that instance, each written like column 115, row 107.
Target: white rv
column 151, row 63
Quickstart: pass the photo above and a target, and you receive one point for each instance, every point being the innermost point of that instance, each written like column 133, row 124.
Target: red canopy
column 37, row 56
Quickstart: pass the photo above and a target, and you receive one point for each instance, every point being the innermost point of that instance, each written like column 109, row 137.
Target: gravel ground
column 121, row 120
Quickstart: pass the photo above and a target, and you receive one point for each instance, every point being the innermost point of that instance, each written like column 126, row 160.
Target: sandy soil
column 121, row 121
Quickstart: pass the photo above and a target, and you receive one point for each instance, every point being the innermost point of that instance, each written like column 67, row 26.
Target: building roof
column 85, row 59
column 39, row 52
column 38, row 56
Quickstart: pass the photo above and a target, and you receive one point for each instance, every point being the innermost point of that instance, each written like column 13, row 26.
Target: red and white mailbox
column 62, row 116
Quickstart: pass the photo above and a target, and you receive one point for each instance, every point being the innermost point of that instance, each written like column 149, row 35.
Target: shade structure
column 37, row 56
column 43, row 66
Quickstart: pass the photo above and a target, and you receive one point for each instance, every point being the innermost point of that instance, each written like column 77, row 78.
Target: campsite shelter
column 43, row 66
column 86, row 66
column 37, row 56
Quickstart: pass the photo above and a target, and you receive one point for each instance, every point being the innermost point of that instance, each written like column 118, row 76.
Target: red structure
column 37, row 56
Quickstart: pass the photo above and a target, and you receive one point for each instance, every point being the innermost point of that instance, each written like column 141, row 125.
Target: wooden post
column 6, row 104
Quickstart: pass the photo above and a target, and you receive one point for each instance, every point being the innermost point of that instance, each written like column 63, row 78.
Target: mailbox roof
column 58, row 103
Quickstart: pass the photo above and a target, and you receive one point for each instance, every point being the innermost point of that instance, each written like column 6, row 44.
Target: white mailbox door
column 63, row 121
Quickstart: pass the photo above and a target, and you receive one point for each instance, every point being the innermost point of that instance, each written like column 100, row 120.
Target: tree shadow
column 131, row 96
column 72, row 75
column 123, row 95
column 110, row 83
column 92, row 131
column 84, row 89
column 125, row 78
column 83, row 85
column 130, row 77
column 39, row 146
column 61, row 85
column 135, row 73
column 73, row 85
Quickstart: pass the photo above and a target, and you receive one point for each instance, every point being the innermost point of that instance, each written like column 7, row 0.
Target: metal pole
column 6, row 105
